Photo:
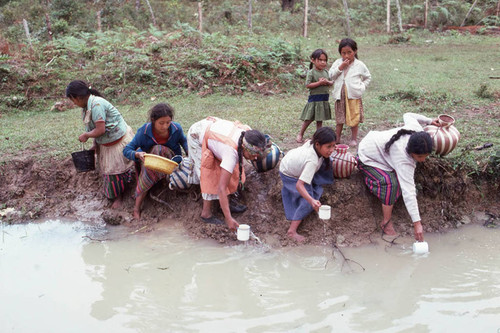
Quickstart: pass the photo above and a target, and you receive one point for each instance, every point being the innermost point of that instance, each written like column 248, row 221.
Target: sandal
column 235, row 207
column 212, row 220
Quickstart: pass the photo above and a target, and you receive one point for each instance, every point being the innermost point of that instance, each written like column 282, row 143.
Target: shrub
column 483, row 92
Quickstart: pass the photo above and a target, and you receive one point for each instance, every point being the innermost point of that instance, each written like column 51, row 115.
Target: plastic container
column 420, row 247
column 159, row 163
column 325, row 212
column 84, row 160
column 243, row 233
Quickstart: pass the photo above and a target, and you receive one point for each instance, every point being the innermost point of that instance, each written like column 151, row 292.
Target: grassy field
column 431, row 74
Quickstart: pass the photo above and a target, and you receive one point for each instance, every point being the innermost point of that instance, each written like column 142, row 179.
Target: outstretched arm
column 419, row 231
column 100, row 129
column 225, row 177
column 303, row 192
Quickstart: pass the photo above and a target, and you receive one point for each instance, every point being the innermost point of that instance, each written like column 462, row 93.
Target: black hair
column 348, row 42
column 161, row 110
column 420, row 143
column 316, row 54
column 253, row 137
column 79, row 88
column 324, row 135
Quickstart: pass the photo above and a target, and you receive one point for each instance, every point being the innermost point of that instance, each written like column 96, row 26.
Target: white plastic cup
column 243, row 233
column 420, row 247
column 325, row 212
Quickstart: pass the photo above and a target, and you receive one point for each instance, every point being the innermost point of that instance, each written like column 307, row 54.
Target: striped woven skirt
column 114, row 185
column 147, row 178
column 384, row 184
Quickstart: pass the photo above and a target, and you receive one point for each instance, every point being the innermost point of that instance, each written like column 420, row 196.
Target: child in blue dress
column 304, row 171
column 318, row 83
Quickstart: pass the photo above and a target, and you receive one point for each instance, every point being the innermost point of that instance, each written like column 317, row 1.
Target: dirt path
column 33, row 189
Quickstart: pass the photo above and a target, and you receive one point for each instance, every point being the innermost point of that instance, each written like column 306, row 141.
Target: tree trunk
column 306, row 9
column 200, row 17
column 468, row 13
column 250, row 15
column 99, row 24
column 47, row 19
column 49, row 26
column 426, row 11
column 400, row 20
column 27, row 32
column 388, row 21
column 287, row 5
column 151, row 12
column 346, row 12
column 498, row 8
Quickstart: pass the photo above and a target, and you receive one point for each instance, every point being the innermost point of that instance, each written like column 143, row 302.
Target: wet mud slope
column 35, row 189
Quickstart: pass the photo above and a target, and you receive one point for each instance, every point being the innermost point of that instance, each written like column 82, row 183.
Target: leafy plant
column 483, row 92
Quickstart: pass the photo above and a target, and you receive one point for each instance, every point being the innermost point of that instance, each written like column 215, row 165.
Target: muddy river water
column 71, row 277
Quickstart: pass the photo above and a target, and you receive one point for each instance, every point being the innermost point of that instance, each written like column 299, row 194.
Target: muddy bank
column 33, row 188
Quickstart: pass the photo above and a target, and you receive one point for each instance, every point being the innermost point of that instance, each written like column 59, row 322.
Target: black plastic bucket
column 84, row 160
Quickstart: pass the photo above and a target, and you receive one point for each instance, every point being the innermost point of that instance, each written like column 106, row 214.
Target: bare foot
column 388, row 229
column 299, row 139
column 353, row 143
column 137, row 214
column 117, row 203
column 296, row 236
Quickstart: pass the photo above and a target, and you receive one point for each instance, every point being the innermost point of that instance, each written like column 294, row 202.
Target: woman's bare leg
column 338, row 131
column 386, row 225
column 292, row 231
column 300, row 136
column 138, row 202
column 354, row 136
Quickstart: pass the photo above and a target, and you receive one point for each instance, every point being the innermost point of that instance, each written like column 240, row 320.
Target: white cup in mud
column 325, row 212
column 243, row 233
column 420, row 247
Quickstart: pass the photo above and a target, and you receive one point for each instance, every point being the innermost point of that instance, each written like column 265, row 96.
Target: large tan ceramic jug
column 445, row 137
column 343, row 162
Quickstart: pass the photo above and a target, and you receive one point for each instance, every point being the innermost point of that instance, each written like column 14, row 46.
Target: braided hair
column 253, row 137
column 79, row 88
column 419, row 143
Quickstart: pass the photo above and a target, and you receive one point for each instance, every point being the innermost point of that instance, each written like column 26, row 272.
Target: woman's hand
column 435, row 122
column 315, row 204
column 323, row 81
column 419, row 231
column 83, row 137
column 344, row 65
column 231, row 223
column 140, row 155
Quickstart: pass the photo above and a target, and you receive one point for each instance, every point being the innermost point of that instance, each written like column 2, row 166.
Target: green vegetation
column 230, row 72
